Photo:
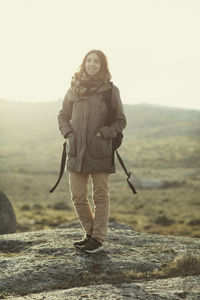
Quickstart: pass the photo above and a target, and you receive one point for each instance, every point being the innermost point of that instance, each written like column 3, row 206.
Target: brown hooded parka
column 84, row 116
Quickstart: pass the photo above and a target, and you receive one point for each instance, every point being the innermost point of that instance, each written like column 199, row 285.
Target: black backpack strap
column 110, row 119
column 111, row 110
column 62, row 167
column 127, row 173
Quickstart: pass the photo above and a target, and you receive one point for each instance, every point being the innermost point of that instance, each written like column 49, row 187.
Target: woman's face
column 92, row 64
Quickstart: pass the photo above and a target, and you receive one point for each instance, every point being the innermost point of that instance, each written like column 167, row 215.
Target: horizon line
column 143, row 103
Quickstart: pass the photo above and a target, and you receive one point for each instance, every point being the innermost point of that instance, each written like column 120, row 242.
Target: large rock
column 160, row 289
column 150, row 183
column 8, row 222
column 45, row 265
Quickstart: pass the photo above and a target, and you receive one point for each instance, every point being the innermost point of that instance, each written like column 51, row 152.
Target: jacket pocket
column 72, row 145
column 100, row 147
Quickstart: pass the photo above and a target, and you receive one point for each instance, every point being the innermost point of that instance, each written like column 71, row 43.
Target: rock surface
column 45, row 265
column 8, row 222
column 174, row 289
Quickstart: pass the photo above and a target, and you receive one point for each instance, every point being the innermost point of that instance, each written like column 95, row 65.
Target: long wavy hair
column 103, row 74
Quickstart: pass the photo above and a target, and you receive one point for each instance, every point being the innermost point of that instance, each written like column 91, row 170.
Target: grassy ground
column 165, row 211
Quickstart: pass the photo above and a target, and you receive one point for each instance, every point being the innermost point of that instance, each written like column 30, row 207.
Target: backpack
column 110, row 118
column 116, row 143
column 117, row 140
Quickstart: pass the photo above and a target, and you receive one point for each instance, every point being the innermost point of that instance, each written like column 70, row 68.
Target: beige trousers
column 94, row 223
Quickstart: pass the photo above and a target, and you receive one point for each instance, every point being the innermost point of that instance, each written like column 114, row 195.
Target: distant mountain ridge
column 142, row 119
column 155, row 136
column 154, row 119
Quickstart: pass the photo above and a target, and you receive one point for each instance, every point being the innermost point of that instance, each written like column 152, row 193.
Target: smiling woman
column 92, row 64
column 83, row 121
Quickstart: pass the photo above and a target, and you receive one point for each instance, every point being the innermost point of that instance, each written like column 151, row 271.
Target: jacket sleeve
column 120, row 121
column 65, row 114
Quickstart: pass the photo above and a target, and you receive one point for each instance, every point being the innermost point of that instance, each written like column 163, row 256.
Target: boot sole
column 93, row 251
column 78, row 246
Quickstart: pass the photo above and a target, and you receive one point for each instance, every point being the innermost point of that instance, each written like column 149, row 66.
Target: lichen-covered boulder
column 45, row 265
column 8, row 221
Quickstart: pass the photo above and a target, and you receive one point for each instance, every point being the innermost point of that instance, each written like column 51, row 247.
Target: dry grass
column 166, row 211
column 182, row 265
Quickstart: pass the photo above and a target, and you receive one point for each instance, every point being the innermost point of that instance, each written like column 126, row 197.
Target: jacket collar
column 106, row 86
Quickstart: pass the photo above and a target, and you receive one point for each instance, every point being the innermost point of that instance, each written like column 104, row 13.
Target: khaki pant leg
column 101, row 200
column 78, row 183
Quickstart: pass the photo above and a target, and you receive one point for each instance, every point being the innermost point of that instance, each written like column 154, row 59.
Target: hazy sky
column 153, row 48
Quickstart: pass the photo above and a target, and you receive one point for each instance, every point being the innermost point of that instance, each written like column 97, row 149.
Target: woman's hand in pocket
column 98, row 134
column 69, row 135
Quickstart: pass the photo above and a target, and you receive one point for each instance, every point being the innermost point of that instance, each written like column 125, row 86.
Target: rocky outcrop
column 146, row 183
column 45, row 265
column 8, row 222
column 161, row 289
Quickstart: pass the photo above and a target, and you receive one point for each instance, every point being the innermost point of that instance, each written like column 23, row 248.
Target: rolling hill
column 142, row 119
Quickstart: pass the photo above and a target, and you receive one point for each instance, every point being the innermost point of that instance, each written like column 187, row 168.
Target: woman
column 83, row 121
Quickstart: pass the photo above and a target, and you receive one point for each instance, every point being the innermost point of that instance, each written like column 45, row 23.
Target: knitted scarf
column 86, row 84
